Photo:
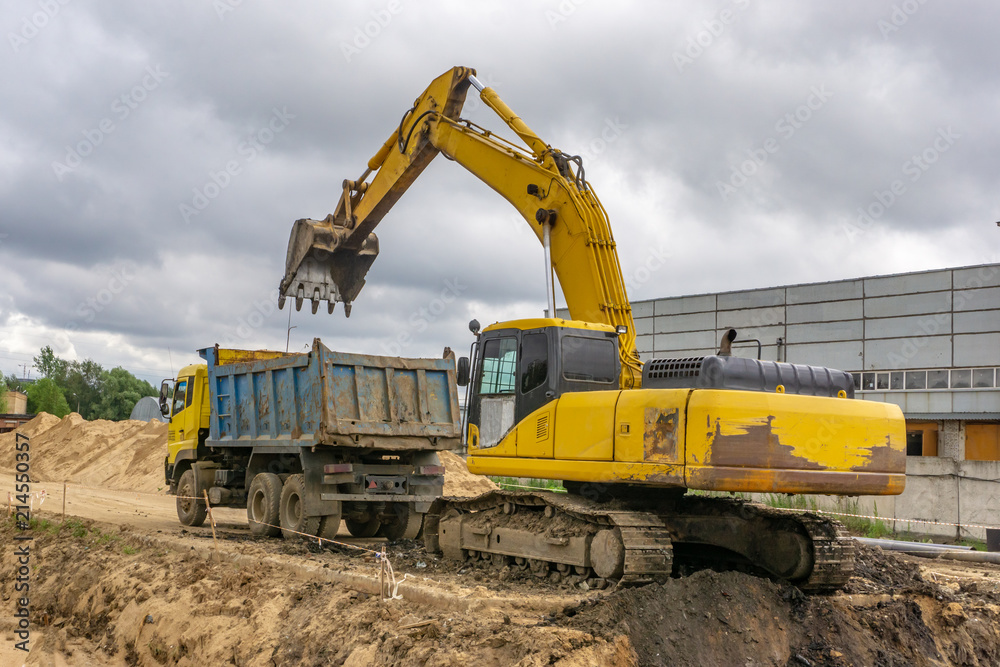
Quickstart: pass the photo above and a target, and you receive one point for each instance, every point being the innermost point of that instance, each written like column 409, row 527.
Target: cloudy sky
column 734, row 144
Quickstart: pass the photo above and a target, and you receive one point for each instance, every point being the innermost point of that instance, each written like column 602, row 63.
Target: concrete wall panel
column 977, row 349
column 691, row 322
column 692, row 340
column 896, row 353
column 906, row 327
column 913, row 304
column 751, row 317
column 908, row 283
column 981, row 321
column 643, row 325
column 843, row 356
column 838, row 291
column 981, row 276
column 830, row 331
column 825, row 312
column 685, row 304
column 761, row 298
column 976, row 401
column 987, row 298
column 642, row 309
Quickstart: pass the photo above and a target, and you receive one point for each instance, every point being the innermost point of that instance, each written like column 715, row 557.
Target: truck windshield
column 179, row 393
column 499, row 374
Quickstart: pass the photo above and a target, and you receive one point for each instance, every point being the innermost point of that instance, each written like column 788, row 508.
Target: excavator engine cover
column 321, row 267
column 718, row 372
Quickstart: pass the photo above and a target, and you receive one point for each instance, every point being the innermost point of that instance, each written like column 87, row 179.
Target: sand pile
column 458, row 481
column 122, row 455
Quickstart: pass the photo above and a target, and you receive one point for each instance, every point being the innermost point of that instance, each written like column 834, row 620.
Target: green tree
column 83, row 386
column 14, row 383
column 49, row 365
column 120, row 392
column 45, row 396
column 3, row 396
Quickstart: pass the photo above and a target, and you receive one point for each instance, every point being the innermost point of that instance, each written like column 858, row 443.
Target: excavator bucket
column 322, row 265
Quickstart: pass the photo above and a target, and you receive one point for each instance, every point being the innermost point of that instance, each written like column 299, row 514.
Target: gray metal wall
column 907, row 323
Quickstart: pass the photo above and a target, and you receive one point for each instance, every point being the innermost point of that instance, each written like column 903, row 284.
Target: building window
column 896, row 380
column 916, row 379
column 961, row 379
column 937, row 379
column 982, row 377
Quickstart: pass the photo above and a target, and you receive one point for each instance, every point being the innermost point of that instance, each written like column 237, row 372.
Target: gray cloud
column 341, row 77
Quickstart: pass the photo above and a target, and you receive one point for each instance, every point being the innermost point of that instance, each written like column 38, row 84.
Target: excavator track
column 632, row 541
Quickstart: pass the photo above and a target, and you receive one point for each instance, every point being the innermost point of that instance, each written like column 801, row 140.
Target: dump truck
column 303, row 440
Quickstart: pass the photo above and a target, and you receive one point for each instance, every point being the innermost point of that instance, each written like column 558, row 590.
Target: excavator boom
column 328, row 259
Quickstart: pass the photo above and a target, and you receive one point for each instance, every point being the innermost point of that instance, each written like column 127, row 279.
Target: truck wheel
column 329, row 526
column 367, row 528
column 294, row 522
column 190, row 511
column 262, row 505
column 405, row 525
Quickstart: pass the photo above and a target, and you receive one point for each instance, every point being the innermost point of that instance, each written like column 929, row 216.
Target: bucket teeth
column 319, row 264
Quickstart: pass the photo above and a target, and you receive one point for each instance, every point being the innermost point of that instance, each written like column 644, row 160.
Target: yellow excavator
column 570, row 400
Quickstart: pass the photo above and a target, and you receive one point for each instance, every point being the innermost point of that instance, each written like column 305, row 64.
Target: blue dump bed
column 263, row 398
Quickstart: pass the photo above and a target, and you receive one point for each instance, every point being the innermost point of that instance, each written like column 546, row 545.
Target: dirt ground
column 120, row 582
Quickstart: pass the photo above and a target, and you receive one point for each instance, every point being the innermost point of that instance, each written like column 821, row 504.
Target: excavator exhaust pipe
column 320, row 266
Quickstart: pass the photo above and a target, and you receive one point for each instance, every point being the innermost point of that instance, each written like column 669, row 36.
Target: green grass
column 857, row 525
column 516, row 483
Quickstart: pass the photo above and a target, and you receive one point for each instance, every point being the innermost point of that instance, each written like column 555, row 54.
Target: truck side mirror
column 165, row 398
column 463, row 372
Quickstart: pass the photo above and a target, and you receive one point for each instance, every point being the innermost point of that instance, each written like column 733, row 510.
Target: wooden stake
column 381, row 576
column 64, row 502
column 211, row 519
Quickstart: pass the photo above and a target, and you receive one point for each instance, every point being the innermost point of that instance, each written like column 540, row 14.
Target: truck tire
column 295, row 525
column 190, row 511
column 329, row 525
column 368, row 528
column 263, row 502
column 406, row 524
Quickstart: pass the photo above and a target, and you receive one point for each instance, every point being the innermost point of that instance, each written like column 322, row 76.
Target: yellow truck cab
column 186, row 403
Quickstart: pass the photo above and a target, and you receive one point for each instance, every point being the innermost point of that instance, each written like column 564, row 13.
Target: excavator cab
column 520, row 366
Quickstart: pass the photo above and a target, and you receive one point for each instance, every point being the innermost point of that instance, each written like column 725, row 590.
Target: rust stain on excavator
column 660, row 434
column 754, row 444
column 884, row 458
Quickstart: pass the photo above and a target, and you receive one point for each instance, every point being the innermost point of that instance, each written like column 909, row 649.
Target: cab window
column 499, row 373
column 589, row 359
column 181, row 396
column 534, row 361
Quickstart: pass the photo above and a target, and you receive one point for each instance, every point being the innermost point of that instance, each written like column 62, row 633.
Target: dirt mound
column 458, row 481
column 731, row 618
column 106, row 595
column 124, row 455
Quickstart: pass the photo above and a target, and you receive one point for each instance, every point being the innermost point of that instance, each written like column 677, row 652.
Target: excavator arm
column 328, row 259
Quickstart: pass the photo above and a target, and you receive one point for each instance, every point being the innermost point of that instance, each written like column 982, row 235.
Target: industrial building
column 927, row 341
